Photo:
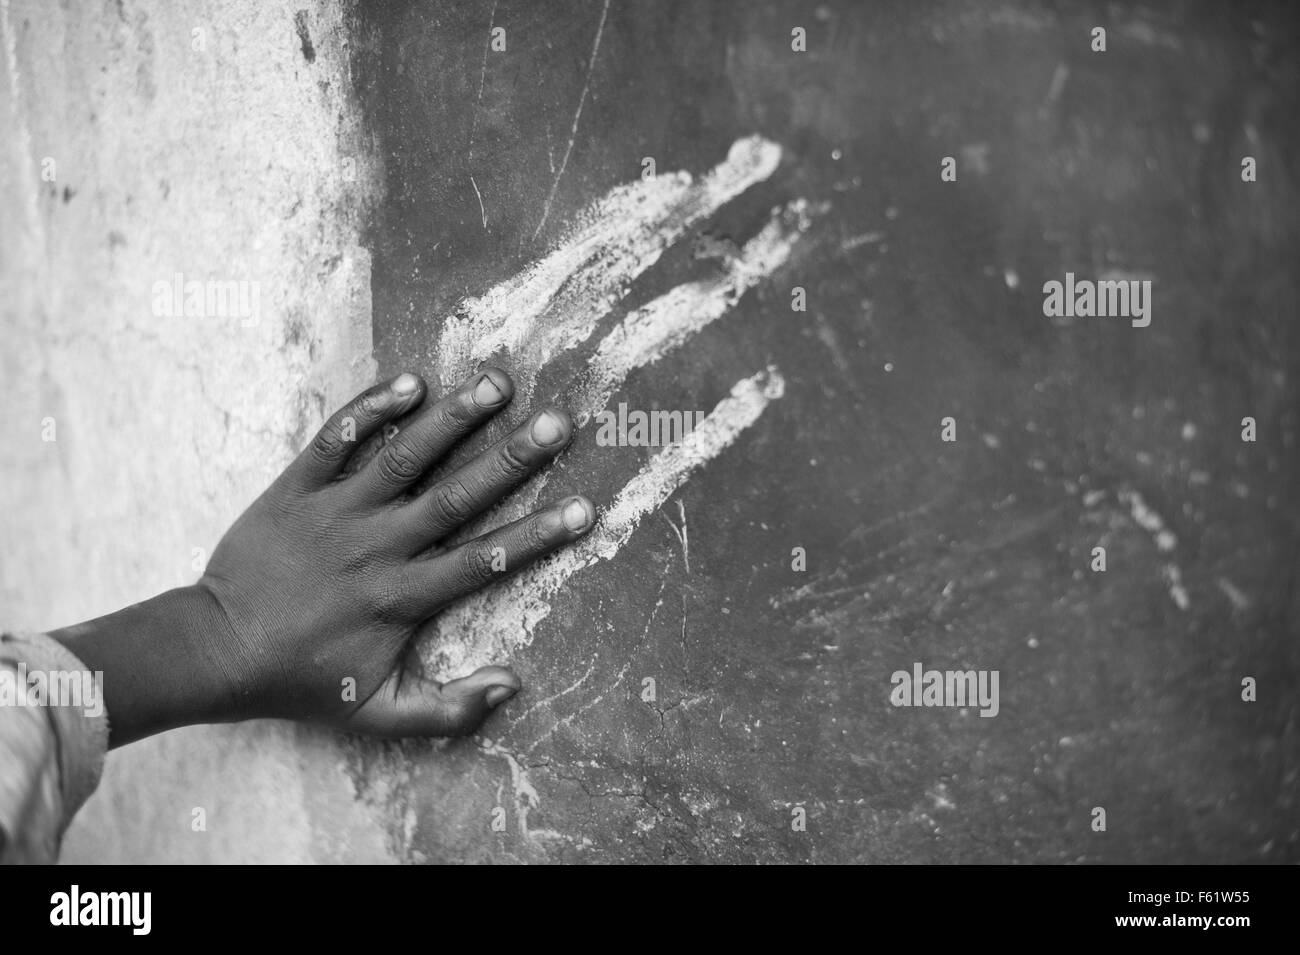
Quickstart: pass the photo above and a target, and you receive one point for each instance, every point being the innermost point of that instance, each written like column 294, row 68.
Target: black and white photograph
column 602, row 432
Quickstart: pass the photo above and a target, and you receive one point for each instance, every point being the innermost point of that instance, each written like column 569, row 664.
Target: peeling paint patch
column 304, row 36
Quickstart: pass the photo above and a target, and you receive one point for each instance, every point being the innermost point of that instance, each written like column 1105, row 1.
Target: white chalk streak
column 646, row 335
column 615, row 240
column 1165, row 540
column 1151, row 522
column 492, row 624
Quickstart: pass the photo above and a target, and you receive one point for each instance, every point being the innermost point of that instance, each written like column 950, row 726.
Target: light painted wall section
column 141, row 140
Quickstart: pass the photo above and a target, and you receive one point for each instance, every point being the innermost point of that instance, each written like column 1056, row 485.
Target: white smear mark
column 1057, row 85
column 577, row 115
column 940, row 797
column 1240, row 601
column 526, row 798
column 615, row 240
column 1165, row 540
column 1144, row 32
column 1149, row 521
column 493, row 624
column 1174, row 579
column 598, row 282
column 856, row 241
column 646, row 335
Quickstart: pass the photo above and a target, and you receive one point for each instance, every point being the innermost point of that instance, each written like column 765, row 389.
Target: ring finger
column 453, row 501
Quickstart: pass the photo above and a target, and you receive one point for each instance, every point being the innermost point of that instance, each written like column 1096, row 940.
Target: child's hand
column 309, row 604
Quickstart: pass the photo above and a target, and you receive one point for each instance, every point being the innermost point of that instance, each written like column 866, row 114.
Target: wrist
column 160, row 662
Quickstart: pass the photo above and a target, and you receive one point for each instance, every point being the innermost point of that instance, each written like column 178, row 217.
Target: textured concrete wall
column 141, row 140
column 772, row 684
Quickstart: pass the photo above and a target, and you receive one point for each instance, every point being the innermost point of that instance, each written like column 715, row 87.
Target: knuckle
column 452, row 502
column 511, row 462
column 391, row 599
column 398, row 463
column 476, row 563
column 454, row 416
column 370, row 405
column 328, row 443
column 459, row 719
column 535, row 537
column 354, row 557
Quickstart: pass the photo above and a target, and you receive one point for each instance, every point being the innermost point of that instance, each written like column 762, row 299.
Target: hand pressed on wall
column 309, row 604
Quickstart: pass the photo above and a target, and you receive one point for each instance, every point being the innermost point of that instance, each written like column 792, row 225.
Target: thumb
column 410, row 705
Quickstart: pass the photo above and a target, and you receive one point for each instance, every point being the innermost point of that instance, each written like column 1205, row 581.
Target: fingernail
column 486, row 392
column 405, row 384
column 547, row 429
column 575, row 515
column 498, row 694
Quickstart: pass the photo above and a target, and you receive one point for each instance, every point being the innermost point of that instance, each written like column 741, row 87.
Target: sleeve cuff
column 77, row 718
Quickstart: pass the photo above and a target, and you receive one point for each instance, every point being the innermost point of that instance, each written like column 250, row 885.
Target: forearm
column 158, row 663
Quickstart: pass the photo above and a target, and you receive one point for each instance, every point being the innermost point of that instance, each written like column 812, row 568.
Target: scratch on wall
column 577, row 116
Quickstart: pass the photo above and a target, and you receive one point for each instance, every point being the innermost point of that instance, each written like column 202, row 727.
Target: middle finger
column 454, row 500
